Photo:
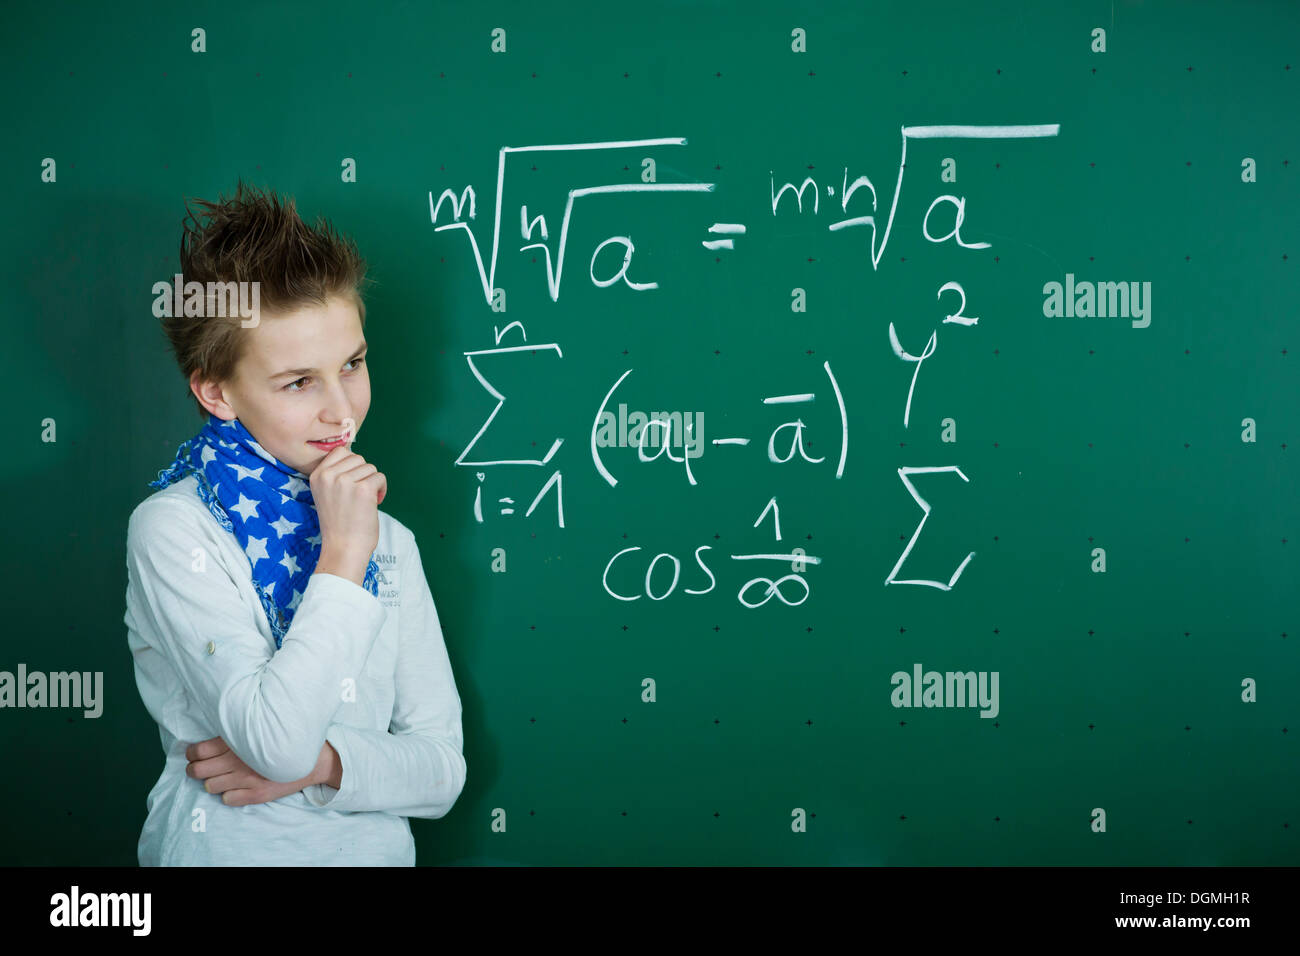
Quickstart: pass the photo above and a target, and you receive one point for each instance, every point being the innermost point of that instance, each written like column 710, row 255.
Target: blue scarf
column 270, row 511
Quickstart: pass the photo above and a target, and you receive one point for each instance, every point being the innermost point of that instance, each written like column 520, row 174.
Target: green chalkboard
column 982, row 546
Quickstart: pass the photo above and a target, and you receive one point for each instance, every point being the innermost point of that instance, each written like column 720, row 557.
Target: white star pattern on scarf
column 256, row 550
column 283, row 525
column 243, row 472
column 247, row 507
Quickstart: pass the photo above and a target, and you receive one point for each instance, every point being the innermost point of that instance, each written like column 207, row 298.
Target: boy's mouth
column 327, row 443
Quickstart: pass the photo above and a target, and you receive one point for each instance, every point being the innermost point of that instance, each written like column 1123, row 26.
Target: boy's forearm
column 335, row 778
column 329, row 768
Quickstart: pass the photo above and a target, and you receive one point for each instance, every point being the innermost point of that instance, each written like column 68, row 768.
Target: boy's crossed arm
column 416, row 768
column 273, row 711
column 221, row 771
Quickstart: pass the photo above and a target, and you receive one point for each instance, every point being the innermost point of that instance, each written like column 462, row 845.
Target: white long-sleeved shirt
column 369, row 674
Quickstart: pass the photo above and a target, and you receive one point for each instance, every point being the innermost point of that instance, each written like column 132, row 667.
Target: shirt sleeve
column 272, row 708
column 417, row 767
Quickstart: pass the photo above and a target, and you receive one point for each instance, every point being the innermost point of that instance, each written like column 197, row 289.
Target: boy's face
column 299, row 379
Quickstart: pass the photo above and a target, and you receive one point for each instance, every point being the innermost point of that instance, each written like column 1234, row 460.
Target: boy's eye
column 305, row 378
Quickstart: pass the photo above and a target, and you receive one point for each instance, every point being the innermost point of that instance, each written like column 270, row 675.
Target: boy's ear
column 211, row 396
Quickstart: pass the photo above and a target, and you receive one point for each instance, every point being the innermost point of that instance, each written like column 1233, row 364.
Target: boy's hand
column 239, row 785
column 347, row 491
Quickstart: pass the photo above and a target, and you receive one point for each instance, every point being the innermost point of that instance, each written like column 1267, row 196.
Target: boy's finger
column 206, row 748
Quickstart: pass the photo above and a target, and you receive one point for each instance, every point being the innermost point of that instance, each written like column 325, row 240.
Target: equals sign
column 724, row 227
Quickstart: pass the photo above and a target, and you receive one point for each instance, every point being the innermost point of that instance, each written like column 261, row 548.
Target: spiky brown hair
column 256, row 237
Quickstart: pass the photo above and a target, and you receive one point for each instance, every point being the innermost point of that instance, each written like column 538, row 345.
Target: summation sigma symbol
column 462, row 209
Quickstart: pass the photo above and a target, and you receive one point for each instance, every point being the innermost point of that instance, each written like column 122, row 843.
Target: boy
column 283, row 632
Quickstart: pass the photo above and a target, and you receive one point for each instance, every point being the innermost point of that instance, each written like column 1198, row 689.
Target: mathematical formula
column 785, row 440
